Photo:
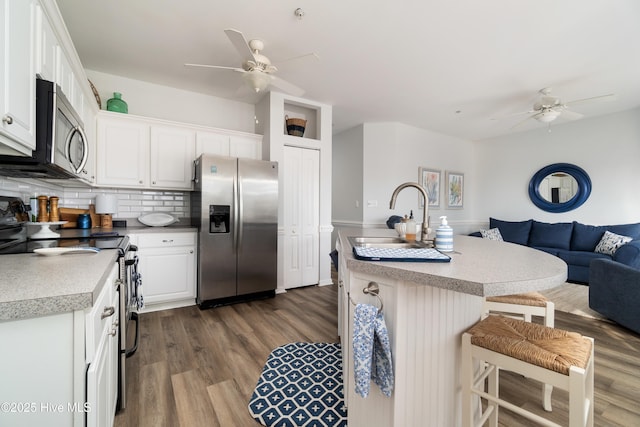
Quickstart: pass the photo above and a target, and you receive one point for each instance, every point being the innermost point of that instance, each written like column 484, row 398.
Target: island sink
column 384, row 242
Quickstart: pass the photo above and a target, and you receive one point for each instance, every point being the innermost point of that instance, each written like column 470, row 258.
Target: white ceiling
column 448, row 66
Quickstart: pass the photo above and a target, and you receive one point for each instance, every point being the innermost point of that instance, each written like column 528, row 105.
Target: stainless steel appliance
column 235, row 207
column 130, row 302
column 61, row 145
column 14, row 240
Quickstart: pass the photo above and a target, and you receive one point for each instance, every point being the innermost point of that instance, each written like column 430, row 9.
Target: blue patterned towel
column 371, row 351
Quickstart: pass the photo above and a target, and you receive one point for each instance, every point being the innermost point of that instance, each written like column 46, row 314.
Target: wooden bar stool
column 552, row 356
column 524, row 306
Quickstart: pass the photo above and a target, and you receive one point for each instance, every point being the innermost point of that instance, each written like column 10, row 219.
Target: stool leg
column 546, row 397
column 492, row 388
column 549, row 321
column 466, row 378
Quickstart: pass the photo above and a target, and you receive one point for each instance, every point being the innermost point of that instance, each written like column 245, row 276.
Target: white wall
column 392, row 153
column 607, row 148
column 347, row 171
column 163, row 102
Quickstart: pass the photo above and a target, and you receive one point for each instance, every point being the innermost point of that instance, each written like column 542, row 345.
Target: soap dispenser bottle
column 444, row 236
column 410, row 235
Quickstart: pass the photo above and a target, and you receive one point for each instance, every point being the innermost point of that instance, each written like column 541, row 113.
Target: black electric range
column 14, row 237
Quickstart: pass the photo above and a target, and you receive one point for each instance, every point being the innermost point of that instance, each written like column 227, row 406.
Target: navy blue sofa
column 614, row 291
column 572, row 242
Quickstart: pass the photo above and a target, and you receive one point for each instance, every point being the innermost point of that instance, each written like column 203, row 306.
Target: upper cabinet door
column 46, row 49
column 172, row 155
column 248, row 147
column 122, row 157
column 212, row 143
column 17, row 77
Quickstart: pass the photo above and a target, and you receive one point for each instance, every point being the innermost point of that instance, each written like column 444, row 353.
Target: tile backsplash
column 131, row 203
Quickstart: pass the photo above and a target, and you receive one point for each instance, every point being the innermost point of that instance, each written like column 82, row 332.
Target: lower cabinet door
column 168, row 273
column 98, row 382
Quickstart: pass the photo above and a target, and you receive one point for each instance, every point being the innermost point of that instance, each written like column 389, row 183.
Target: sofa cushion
column 547, row 235
column 586, row 237
column 514, row 232
column 629, row 254
column 582, row 258
column 492, row 234
column 610, row 243
column 631, row 230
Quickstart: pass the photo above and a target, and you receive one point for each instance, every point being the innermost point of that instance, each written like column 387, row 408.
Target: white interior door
column 301, row 216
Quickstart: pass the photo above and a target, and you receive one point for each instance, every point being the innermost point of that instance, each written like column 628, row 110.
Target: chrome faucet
column 425, row 216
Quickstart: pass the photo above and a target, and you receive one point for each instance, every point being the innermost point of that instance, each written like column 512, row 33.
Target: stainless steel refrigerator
column 235, row 206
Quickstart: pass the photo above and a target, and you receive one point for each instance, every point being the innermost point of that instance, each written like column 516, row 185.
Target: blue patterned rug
column 301, row 385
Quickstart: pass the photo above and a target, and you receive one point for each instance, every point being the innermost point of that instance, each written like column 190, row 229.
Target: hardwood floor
column 196, row 368
column 199, row 367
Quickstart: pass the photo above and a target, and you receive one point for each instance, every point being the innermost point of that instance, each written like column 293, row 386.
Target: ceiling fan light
column 257, row 80
column 547, row 116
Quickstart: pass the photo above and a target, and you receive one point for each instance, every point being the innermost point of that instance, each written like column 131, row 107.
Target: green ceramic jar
column 117, row 104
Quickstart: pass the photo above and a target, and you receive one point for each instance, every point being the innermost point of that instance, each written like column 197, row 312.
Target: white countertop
column 478, row 266
column 33, row 285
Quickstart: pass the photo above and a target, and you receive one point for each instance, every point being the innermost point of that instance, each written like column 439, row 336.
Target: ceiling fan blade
column 285, row 86
column 521, row 122
column 240, row 43
column 609, row 97
column 570, row 115
column 512, row 115
column 312, row 56
column 240, row 70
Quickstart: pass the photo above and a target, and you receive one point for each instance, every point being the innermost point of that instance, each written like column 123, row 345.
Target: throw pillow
column 610, row 243
column 492, row 234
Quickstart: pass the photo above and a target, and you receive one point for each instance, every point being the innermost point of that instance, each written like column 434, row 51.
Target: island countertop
column 34, row 285
column 478, row 266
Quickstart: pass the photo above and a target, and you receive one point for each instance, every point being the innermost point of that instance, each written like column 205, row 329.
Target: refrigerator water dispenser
column 219, row 216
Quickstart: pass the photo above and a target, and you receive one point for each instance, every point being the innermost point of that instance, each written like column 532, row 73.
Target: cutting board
column 71, row 215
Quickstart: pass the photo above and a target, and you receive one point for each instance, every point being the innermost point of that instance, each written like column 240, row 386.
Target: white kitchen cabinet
column 62, row 367
column 102, row 356
column 122, row 154
column 246, row 146
column 172, row 155
column 139, row 152
column 17, row 76
column 229, row 144
column 46, row 48
column 168, row 268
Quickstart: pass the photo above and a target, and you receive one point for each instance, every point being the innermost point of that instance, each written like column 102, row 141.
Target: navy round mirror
column 560, row 187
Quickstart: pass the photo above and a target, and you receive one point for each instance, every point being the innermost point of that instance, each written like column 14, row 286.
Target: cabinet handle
column 7, row 119
column 108, row 311
column 114, row 332
column 340, row 283
column 191, row 251
column 167, row 240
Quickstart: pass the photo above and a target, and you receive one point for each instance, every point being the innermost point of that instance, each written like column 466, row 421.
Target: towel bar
column 372, row 289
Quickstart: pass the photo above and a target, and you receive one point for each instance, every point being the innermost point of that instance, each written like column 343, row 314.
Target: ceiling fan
column 256, row 68
column 549, row 107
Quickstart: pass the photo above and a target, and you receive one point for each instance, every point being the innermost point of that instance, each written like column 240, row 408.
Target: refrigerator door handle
column 240, row 223
column 236, row 214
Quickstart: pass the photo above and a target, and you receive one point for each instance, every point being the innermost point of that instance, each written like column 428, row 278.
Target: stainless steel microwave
column 61, row 144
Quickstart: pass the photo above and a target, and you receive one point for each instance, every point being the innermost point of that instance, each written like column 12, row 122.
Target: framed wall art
column 455, row 189
column 430, row 180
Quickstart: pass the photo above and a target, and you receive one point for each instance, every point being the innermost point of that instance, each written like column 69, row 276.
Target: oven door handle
column 131, row 351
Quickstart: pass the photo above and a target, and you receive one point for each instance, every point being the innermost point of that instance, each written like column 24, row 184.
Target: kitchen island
column 427, row 306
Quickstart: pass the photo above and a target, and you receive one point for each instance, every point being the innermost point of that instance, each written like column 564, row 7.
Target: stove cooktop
column 102, row 242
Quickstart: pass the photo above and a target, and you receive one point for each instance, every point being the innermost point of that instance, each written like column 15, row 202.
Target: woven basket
column 295, row 127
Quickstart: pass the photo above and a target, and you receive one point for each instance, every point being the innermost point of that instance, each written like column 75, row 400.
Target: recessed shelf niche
column 303, row 111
